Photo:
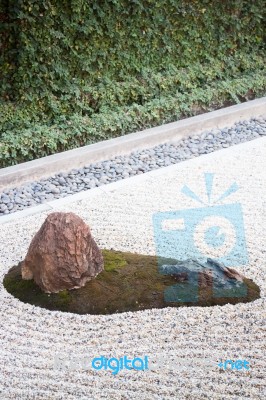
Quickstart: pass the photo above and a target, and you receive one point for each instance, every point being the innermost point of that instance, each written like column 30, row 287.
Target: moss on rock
column 129, row 282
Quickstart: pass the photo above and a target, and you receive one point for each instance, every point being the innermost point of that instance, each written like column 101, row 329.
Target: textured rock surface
column 211, row 278
column 63, row 254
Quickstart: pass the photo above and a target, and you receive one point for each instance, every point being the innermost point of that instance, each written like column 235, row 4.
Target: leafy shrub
column 39, row 140
column 76, row 72
column 59, row 53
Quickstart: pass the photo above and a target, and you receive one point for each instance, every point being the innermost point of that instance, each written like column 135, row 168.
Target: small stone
column 55, row 191
column 62, row 181
column 5, row 199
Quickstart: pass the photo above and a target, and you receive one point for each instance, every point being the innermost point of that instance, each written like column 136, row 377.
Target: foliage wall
column 63, row 48
column 76, row 71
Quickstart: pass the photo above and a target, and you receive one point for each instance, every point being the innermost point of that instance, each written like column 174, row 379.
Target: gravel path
column 139, row 162
column 120, row 217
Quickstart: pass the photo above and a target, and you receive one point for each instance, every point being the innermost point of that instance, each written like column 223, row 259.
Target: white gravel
column 120, row 216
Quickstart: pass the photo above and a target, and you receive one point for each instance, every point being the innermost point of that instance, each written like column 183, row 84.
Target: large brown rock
column 62, row 254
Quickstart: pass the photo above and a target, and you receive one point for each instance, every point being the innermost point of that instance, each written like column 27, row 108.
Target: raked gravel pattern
column 138, row 162
column 120, row 216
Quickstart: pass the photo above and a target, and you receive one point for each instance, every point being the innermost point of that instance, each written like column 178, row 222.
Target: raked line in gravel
column 121, row 217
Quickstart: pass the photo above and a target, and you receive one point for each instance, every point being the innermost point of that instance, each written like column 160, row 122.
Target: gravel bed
column 121, row 167
column 121, row 218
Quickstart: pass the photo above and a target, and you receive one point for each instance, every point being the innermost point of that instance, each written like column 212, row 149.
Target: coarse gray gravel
column 121, row 167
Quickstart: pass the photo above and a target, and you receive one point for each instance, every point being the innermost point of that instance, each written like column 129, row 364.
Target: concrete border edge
column 105, row 189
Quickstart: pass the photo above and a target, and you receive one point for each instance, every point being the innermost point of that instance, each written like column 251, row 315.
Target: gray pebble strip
column 121, row 167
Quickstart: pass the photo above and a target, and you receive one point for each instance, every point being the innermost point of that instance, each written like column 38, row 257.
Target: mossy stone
column 130, row 282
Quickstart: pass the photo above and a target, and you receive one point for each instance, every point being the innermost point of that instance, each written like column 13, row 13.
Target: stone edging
column 105, row 190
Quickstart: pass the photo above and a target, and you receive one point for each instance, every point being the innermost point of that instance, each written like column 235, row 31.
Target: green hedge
column 66, row 133
column 139, row 90
column 62, row 49
column 74, row 72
